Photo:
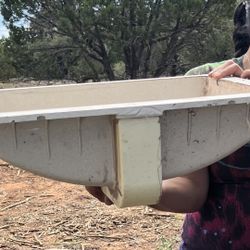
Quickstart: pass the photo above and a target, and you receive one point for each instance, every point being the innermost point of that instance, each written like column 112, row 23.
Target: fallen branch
column 37, row 239
column 120, row 237
column 4, row 226
column 159, row 215
column 17, row 204
column 60, row 223
column 21, row 241
column 25, row 242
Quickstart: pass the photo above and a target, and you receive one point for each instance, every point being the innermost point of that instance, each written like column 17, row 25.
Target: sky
column 3, row 30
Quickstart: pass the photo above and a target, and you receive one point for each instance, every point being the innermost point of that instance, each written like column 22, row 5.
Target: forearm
column 184, row 194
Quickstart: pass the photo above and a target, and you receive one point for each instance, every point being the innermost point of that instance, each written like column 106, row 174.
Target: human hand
column 98, row 193
column 230, row 68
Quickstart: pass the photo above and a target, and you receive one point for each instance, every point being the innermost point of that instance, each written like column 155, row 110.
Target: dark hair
column 241, row 34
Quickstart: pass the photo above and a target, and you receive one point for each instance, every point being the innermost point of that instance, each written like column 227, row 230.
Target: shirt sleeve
column 204, row 69
column 239, row 61
column 208, row 67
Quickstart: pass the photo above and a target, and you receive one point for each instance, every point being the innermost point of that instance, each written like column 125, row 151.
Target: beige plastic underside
column 124, row 136
column 138, row 163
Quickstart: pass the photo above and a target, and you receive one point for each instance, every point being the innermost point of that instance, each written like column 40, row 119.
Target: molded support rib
column 139, row 172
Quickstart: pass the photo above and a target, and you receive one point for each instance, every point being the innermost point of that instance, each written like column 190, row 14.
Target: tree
column 212, row 47
column 149, row 37
column 7, row 70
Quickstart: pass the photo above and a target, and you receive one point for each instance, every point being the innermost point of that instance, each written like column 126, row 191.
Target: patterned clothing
column 223, row 223
column 224, row 220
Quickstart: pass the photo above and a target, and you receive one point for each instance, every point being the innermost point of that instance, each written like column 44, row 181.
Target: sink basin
column 125, row 136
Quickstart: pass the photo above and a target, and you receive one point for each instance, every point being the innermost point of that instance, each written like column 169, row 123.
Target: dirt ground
column 37, row 213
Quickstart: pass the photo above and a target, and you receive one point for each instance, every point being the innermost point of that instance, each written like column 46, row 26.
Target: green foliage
column 111, row 39
column 214, row 47
column 7, row 70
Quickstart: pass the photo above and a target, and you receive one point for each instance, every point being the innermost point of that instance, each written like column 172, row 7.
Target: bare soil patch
column 38, row 213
